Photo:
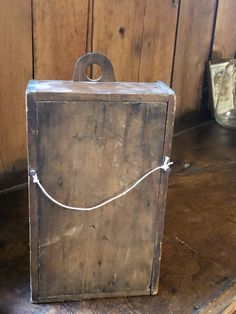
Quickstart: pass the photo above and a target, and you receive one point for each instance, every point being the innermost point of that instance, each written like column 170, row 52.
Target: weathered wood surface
column 193, row 45
column 81, row 71
column 198, row 257
column 59, row 37
column 147, row 91
column 225, row 34
column 222, row 302
column 158, row 41
column 94, row 253
column 117, row 32
column 87, row 142
column 138, row 36
column 16, row 70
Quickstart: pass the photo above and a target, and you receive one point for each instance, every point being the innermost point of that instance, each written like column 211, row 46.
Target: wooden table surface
column 199, row 247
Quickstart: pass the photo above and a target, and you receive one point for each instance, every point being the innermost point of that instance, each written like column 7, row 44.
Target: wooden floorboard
column 199, row 247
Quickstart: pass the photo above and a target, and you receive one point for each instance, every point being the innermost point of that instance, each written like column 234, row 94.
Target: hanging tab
column 107, row 72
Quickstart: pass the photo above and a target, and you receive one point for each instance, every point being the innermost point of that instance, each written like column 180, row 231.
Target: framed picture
column 222, row 77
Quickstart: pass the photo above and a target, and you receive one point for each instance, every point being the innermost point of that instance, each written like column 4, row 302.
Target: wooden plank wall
column 224, row 45
column 15, row 71
column 60, row 36
column 193, row 44
column 146, row 40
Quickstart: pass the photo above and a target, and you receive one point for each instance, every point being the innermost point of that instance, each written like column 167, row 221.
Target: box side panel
column 115, row 88
column 102, row 97
column 88, row 152
column 78, row 297
column 32, row 132
column 162, row 197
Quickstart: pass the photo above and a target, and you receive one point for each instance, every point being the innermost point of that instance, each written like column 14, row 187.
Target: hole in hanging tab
column 93, row 72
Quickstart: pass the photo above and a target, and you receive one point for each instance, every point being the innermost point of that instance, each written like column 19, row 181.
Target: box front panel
column 86, row 153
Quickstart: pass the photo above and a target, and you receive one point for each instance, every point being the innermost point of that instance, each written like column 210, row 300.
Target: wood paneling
column 16, row 70
column 138, row 37
column 158, row 40
column 117, row 33
column 60, row 36
column 146, row 40
column 225, row 31
column 196, row 19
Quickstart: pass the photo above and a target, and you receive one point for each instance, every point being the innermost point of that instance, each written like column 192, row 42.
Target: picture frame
column 220, row 85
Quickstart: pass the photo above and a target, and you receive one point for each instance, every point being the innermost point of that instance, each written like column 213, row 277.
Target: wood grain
column 117, row 33
column 222, row 302
column 225, row 34
column 162, row 200
column 33, row 216
column 158, row 40
column 60, row 36
column 138, row 36
column 193, row 271
column 193, row 44
column 16, row 70
column 96, row 252
column 106, row 145
column 92, row 59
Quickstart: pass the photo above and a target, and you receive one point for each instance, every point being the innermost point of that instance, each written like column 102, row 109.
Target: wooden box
column 87, row 141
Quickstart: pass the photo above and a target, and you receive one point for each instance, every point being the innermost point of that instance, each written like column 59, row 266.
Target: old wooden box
column 87, row 141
